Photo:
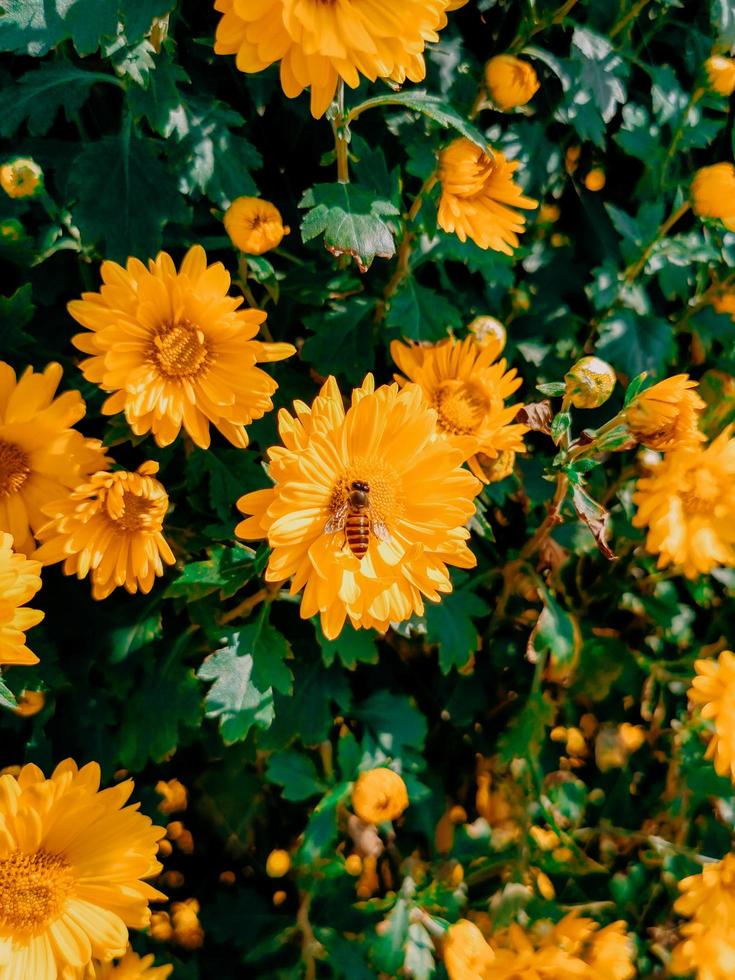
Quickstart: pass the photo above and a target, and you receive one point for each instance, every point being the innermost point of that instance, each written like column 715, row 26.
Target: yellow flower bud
column 21, row 178
column 562, row 854
column 457, row 876
column 279, row 898
column 547, row 840
column 466, row 953
column 255, row 226
column 174, row 829
column 666, row 415
column 379, row 795
column 489, row 333
column 227, row 878
column 576, row 744
column 278, row 864
column 458, row 814
column 632, row 736
column 30, row 703
column 353, row 865
column 590, row 382
column 185, row 842
column 544, row 885
column 160, row 927
column 11, row 230
column 187, row 929
column 549, row 213
column 558, row 734
column 721, row 74
column 174, row 796
column 494, row 470
column 571, row 158
column 713, row 193
column 510, row 81
column 595, row 179
column 164, row 848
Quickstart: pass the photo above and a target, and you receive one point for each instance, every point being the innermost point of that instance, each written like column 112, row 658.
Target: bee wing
column 337, row 521
column 380, row 531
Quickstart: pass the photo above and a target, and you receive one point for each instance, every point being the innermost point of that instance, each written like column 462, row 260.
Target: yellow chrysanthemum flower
column 688, row 505
column 379, row 795
column 467, row 955
column 255, row 226
column 707, row 952
column 21, row 177
column 111, row 529
column 590, row 382
column 41, row 456
column 175, row 349
column 468, row 389
column 713, row 193
column 319, row 43
column 714, row 689
column 20, row 579
column 721, row 74
column 724, row 302
column 478, row 197
column 666, row 415
column 72, row 860
column 708, row 900
column 510, row 81
column 407, row 526
column 133, row 967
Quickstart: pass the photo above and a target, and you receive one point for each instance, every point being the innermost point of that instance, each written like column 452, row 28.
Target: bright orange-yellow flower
column 478, row 197
column 714, row 690
column 21, row 177
column 510, row 81
column 666, row 415
column 687, row 504
column 255, row 226
column 708, row 900
column 318, row 43
column 721, row 74
column 724, row 301
column 468, row 389
column 418, row 501
column 111, row 529
column 467, row 956
column 41, row 456
column 133, row 967
column 175, row 349
column 20, row 579
column 72, row 860
column 379, row 795
column 713, row 193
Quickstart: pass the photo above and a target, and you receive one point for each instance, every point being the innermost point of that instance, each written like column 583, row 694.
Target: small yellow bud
column 457, row 876
column 562, row 854
column 30, row 703
column 494, row 470
column 21, row 178
column 255, row 226
column 510, row 81
column 590, row 382
column 279, row 898
column 160, row 928
column 544, row 885
column 558, row 734
column 353, row 865
column 379, row 795
column 278, row 864
column 489, row 333
column 187, row 929
column 174, row 796
column 632, row 736
column 185, row 842
column 576, row 744
column 595, row 179
column 227, row 878
column 549, row 213
column 458, row 814
column 173, row 879
column 713, row 193
column 164, row 848
column 174, row 830
column 721, row 74
column 547, row 840
column 571, row 158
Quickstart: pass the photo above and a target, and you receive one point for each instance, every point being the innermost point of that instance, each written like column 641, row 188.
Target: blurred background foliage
column 144, row 138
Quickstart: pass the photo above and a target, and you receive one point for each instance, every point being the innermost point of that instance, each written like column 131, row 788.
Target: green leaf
column 432, row 106
column 633, row 344
column 210, row 158
column 394, row 720
column 419, row 958
column 225, row 571
column 269, row 651
column 307, row 713
column 557, row 634
column 133, row 636
column 233, row 697
column 450, row 624
column 16, row 312
column 352, row 647
column 321, row 830
column 635, row 387
column 230, row 474
column 348, row 754
column 351, row 220
column 342, row 339
column 389, row 946
column 124, row 196
column 554, row 389
column 37, row 96
column 526, row 734
column 7, row 698
column 297, row 774
column 419, row 313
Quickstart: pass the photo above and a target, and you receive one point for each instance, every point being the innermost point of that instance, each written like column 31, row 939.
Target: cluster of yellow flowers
column 574, row 948
column 707, row 947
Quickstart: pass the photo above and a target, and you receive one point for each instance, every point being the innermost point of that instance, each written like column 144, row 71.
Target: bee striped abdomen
column 357, row 532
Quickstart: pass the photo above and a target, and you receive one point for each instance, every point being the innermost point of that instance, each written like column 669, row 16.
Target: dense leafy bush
column 552, row 766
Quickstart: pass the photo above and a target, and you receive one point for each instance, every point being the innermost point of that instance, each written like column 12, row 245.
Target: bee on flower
column 479, row 198
column 380, row 466
column 174, row 349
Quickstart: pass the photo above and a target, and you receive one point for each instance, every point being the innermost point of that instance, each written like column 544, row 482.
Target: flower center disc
column 385, row 495
column 141, row 513
column 33, row 889
column 14, row 468
column 702, row 494
column 180, row 351
column 461, row 406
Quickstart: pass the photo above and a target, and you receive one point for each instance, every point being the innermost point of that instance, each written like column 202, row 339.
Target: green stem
column 340, row 143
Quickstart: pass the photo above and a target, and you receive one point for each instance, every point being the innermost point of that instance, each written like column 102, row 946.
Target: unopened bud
column 489, row 332
column 590, row 382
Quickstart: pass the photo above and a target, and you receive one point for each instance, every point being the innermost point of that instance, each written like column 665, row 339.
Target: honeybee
column 355, row 517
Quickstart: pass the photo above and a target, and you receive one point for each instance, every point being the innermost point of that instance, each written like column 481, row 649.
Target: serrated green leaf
column 16, row 312
column 269, row 651
column 37, row 96
column 7, row 698
column 225, row 571
column 297, row 774
column 526, row 733
column 389, row 947
column 633, row 344
column 450, row 624
column 233, row 697
column 394, row 721
column 341, row 342
column 321, row 830
column 351, row 220
column 557, row 634
column 429, row 105
column 419, row 313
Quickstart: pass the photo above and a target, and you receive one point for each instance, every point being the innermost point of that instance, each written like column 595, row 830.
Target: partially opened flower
column 255, row 226
column 175, row 350
column 479, row 197
column 319, row 43
column 510, row 81
column 714, row 690
column 379, row 795
column 72, row 860
column 21, row 177
column 713, row 193
column 20, row 579
column 368, row 509
column 468, row 388
column 666, row 415
column 467, row 954
column 687, row 504
column 705, row 951
column 133, row 967
column 721, row 74
column 41, row 456
column 110, row 528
